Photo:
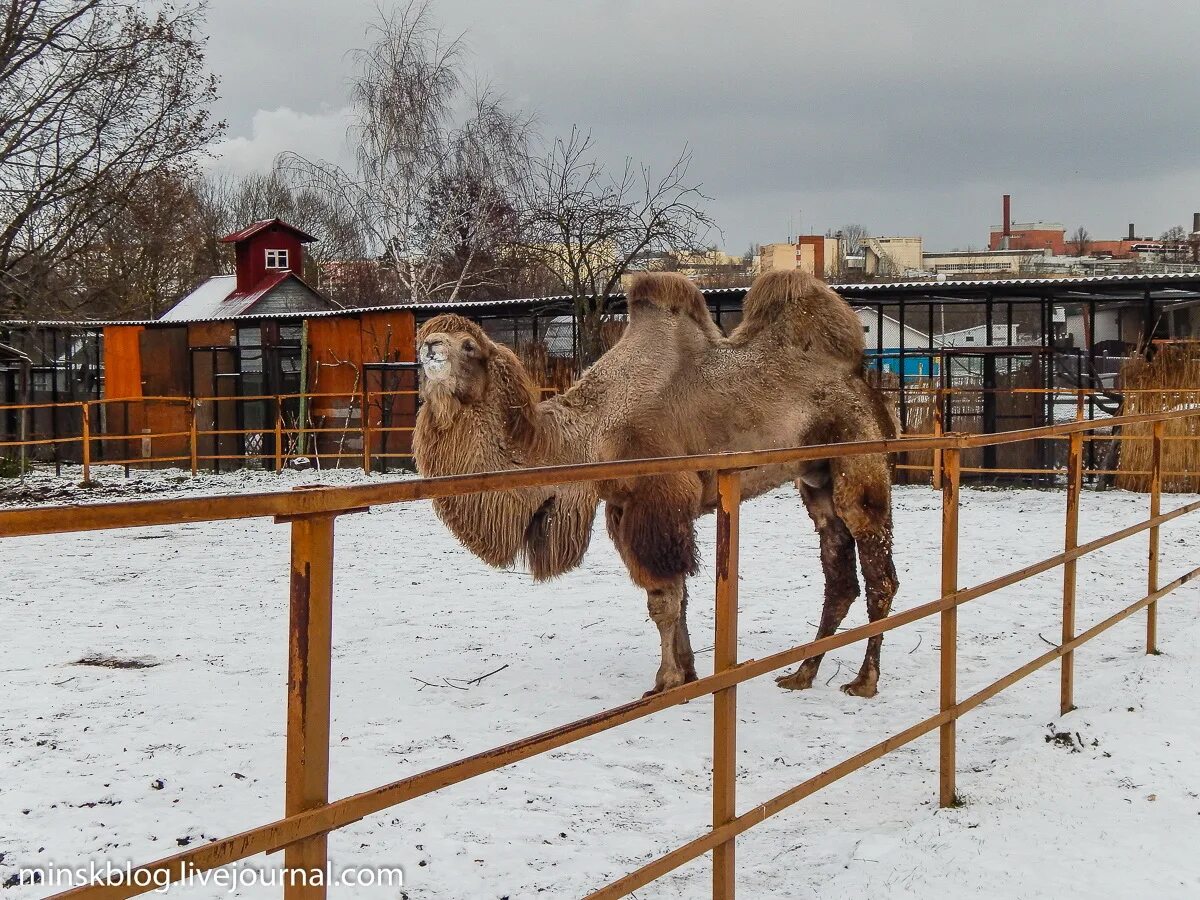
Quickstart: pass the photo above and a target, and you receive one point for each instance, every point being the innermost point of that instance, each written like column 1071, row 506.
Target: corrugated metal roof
column 205, row 301
column 855, row 291
column 967, row 283
column 255, row 227
column 215, row 300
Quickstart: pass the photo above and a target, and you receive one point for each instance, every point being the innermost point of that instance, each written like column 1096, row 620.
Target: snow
column 119, row 764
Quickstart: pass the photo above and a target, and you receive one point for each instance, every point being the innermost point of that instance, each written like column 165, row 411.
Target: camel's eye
column 469, row 346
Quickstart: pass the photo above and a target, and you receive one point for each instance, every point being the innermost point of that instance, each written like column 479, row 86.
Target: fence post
column 729, row 487
column 952, row 464
column 1070, row 542
column 938, row 431
column 309, row 650
column 86, row 436
column 366, row 430
column 1156, row 448
column 194, row 438
column 278, row 434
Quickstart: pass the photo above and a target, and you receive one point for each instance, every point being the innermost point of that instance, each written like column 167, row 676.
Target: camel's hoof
column 797, row 681
column 861, row 687
column 665, row 684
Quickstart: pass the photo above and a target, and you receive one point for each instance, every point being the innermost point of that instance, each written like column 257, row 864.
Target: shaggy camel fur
column 790, row 374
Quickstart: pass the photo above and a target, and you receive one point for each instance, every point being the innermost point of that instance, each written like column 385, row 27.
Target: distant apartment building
column 812, row 253
column 957, row 263
column 701, row 263
column 892, row 255
column 1043, row 236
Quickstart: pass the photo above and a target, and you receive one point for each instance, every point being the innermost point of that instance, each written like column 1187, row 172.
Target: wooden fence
column 311, row 514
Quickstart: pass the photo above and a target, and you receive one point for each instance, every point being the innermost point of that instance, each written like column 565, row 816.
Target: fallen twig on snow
column 835, row 671
column 424, row 684
column 488, row 675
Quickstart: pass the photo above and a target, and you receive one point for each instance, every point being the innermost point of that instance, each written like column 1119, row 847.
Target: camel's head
column 454, row 354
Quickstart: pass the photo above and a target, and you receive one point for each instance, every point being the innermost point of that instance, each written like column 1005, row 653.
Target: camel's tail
column 797, row 309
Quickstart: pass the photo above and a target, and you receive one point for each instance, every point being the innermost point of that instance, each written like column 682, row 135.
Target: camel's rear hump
column 794, row 308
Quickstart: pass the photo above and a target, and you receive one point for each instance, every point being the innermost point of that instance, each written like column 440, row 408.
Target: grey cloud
column 910, row 117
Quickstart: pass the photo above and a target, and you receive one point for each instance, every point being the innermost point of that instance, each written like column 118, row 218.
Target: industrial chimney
column 1132, row 235
column 1196, row 221
column 1007, row 226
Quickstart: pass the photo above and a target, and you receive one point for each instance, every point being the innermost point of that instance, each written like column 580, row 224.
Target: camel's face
column 455, row 364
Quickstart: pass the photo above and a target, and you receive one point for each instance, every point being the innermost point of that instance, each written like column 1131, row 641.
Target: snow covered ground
column 117, row 764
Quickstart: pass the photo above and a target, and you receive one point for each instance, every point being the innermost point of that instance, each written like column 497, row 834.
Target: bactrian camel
column 791, row 373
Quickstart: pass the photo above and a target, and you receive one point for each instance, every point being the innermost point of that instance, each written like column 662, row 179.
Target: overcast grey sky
column 909, row 117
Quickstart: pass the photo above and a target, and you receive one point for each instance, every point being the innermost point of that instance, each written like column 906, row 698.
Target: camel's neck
column 509, row 427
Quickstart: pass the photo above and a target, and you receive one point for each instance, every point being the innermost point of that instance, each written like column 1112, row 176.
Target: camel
column 790, row 374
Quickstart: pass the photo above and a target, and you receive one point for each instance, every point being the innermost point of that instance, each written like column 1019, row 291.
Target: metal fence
column 311, row 514
column 372, row 430
column 199, row 433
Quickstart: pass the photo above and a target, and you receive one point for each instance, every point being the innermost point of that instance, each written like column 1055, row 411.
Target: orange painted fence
column 335, row 432
column 311, row 514
column 363, row 438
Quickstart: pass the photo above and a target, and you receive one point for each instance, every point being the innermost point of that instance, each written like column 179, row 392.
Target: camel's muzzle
column 434, row 359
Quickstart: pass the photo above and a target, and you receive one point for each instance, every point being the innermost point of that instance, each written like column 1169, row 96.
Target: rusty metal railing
column 309, row 815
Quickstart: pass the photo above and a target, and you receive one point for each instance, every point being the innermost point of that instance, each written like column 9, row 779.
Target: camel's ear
column 484, row 350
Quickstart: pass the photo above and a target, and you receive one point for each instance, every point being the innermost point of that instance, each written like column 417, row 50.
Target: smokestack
column 1132, row 236
column 1196, row 221
column 1007, row 216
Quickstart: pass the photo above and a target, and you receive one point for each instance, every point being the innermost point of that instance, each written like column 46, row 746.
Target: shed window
column 277, row 259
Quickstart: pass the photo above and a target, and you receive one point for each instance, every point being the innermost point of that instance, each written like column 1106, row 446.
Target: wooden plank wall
column 166, row 372
column 180, row 361
column 338, row 349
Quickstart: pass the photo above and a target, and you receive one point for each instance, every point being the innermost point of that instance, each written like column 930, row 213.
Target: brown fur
column 548, row 528
column 789, row 374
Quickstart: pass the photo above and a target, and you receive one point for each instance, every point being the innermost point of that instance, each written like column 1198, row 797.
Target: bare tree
column 428, row 190
column 97, row 99
column 1174, row 233
column 258, row 196
column 1081, row 241
column 589, row 227
column 852, row 236
column 153, row 252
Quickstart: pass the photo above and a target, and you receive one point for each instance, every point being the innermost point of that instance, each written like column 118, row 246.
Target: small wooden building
column 268, row 278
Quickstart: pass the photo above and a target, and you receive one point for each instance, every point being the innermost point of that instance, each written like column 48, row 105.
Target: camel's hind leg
column 862, row 498
column 668, row 610
column 841, row 581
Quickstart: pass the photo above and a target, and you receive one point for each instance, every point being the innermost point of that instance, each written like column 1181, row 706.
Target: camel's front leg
column 668, row 610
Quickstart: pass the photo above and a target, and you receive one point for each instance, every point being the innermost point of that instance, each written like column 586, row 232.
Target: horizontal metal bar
column 141, row 460
column 350, row 809
column 701, row 845
column 137, row 437
column 41, row 442
column 91, row 517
